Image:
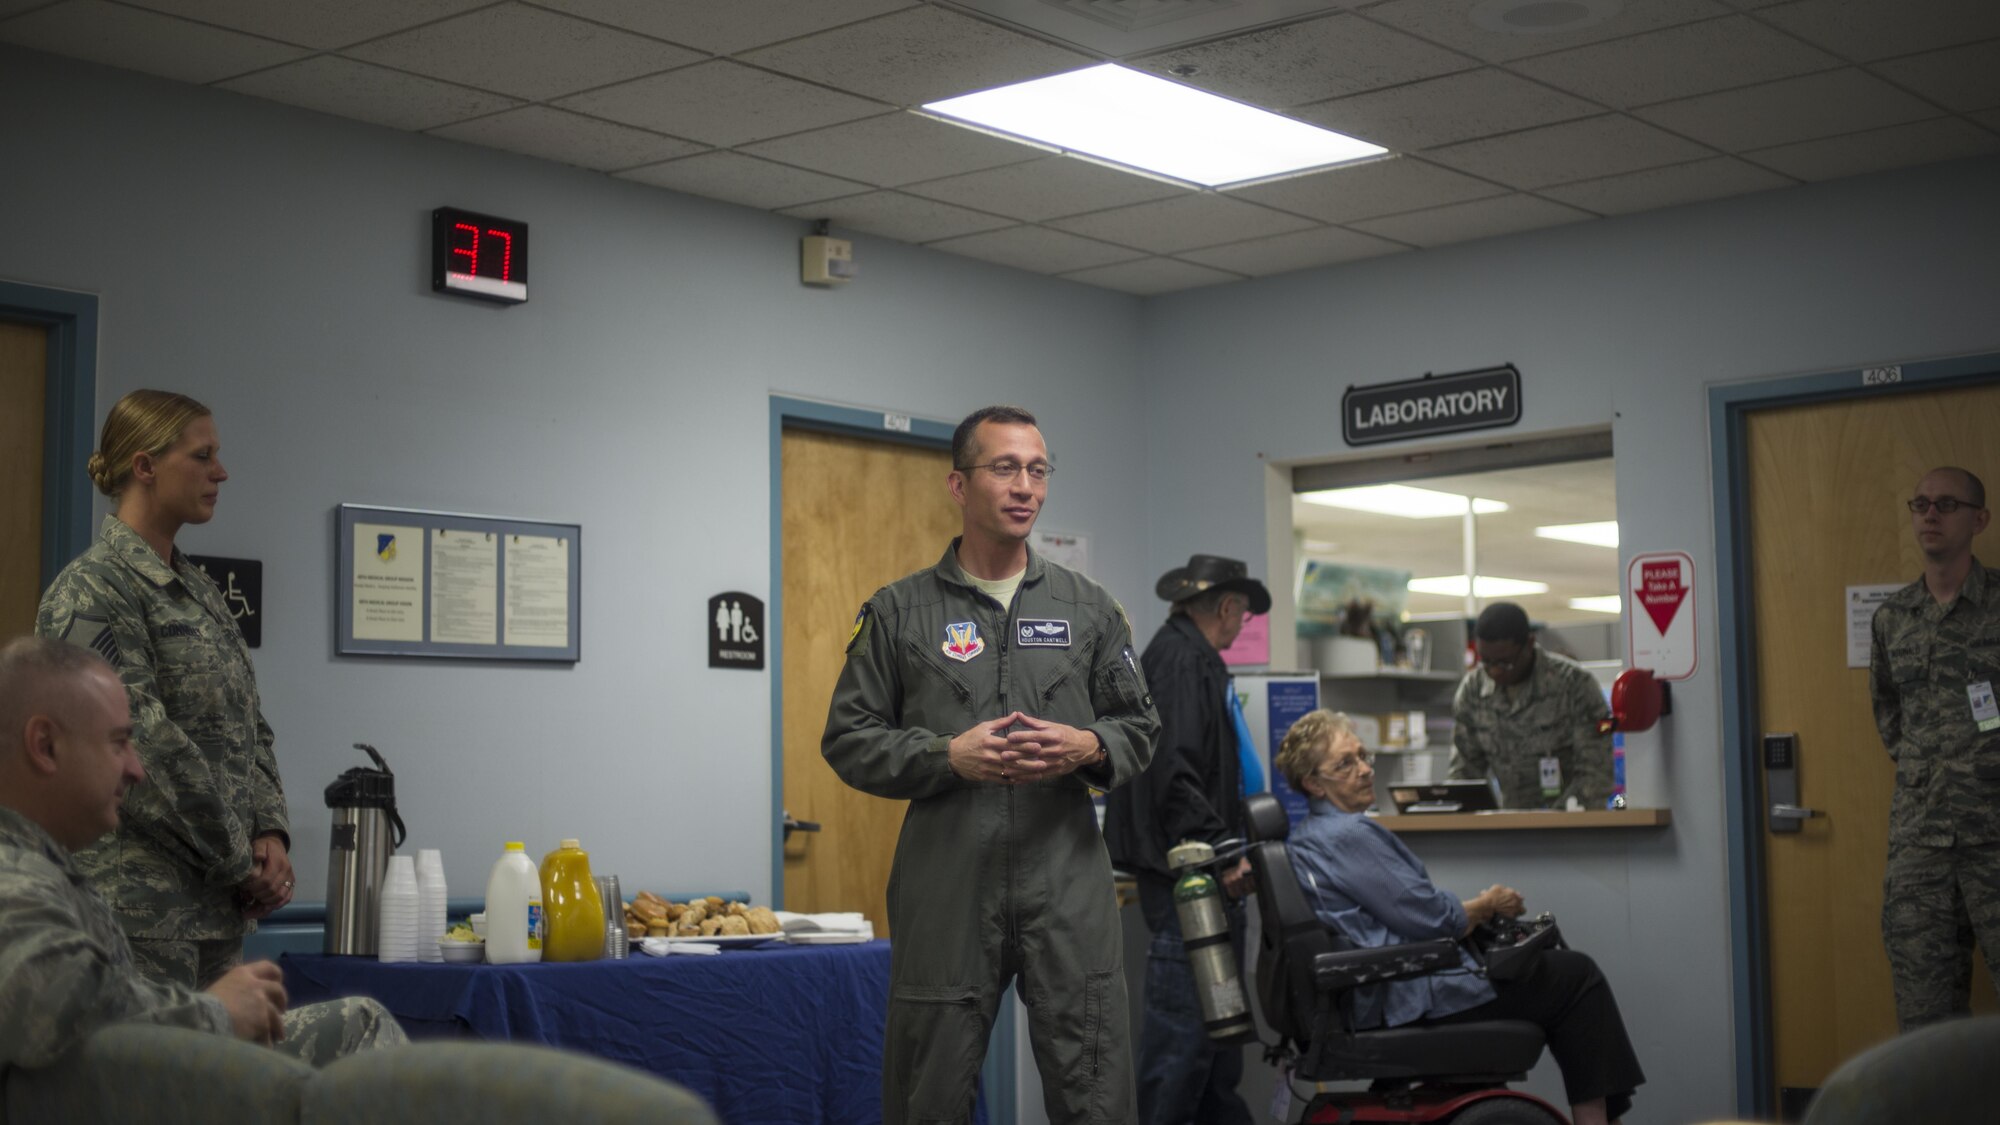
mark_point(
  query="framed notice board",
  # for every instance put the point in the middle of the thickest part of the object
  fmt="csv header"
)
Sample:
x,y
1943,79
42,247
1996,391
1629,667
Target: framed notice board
x,y
413,583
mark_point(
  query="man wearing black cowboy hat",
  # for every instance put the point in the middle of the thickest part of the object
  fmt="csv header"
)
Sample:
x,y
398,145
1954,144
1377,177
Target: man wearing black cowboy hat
x,y
1192,791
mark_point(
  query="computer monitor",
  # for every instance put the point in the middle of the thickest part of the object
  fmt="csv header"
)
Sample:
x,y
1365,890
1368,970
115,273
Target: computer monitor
x,y
1445,797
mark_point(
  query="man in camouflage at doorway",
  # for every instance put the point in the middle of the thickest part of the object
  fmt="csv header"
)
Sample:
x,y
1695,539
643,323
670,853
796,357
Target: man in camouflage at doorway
x,y
66,759
1934,659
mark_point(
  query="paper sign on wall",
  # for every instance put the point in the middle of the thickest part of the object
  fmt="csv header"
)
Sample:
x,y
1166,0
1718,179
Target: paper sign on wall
x,y
1660,614
1861,603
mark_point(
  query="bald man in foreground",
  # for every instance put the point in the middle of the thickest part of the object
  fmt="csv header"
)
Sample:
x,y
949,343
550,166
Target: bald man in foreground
x,y
66,759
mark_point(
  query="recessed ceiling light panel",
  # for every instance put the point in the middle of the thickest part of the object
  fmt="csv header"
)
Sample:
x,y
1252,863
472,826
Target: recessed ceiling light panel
x,y
1453,586
1401,500
1142,121
1603,603
1599,534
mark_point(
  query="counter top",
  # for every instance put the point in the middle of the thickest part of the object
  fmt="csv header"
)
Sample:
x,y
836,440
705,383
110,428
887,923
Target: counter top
x,y
1527,820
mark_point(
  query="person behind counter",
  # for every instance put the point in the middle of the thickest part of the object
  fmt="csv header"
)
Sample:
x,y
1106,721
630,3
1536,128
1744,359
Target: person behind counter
x,y
203,849
993,691
1529,718
1363,881
66,761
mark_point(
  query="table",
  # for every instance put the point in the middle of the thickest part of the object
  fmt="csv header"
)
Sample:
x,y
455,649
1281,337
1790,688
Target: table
x,y
776,1033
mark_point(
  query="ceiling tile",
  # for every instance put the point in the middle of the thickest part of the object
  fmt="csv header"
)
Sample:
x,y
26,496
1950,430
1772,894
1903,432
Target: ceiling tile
x,y
1575,150
729,26
1795,109
1037,249
892,214
1309,61
1880,29
1962,78
569,138
1048,188
1284,253
918,56
1363,191
1149,277
1481,218
743,179
1678,62
1183,223
1667,187
323,25
1900,146
1457,107
895,149
524,51
144,41
347,88
1450,22
721,103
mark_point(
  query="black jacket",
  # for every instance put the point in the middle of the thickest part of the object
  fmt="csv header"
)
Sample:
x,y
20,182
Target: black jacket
x,y
1193,788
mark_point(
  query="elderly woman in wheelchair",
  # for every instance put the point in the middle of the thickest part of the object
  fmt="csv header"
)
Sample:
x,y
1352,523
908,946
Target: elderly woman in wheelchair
x,y
1363,963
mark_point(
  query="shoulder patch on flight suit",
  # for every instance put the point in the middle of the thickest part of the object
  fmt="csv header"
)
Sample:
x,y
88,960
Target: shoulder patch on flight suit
x,y
88,630
858,639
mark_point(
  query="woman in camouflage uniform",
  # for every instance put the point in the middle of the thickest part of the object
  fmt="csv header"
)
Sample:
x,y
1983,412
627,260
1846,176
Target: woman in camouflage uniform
x,y
202,849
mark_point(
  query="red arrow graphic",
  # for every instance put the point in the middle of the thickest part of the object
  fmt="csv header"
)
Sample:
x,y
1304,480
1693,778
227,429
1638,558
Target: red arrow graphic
x,y
1661,592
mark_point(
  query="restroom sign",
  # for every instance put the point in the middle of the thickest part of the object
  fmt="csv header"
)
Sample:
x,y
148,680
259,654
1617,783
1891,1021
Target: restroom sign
x,y
1660,614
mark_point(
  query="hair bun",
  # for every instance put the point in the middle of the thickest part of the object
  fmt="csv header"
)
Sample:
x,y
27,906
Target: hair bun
x,y
95,468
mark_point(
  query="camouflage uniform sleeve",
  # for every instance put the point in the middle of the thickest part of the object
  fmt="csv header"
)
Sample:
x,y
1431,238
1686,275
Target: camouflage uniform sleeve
x,y
1468,753
58,984
1588,773
269,815
865,741
1126,721
181,803
1882,686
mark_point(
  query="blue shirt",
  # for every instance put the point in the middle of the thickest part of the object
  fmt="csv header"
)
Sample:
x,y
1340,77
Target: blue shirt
x,y
1363,881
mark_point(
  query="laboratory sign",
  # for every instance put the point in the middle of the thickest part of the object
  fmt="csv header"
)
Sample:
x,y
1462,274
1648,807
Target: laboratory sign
x,y
1434,404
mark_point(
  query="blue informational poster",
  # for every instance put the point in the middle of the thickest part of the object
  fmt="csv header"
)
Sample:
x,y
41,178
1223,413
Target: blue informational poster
x,y
1286,702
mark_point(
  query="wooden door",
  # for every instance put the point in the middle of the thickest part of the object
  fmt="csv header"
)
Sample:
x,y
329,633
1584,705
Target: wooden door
x,y
24,372
857,515
1827,486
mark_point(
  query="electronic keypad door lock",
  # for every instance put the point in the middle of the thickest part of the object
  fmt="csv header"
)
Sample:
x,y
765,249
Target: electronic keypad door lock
x,y
1781,783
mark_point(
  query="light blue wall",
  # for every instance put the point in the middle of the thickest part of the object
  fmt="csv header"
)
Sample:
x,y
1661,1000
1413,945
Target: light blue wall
x,y
274,263
1622,323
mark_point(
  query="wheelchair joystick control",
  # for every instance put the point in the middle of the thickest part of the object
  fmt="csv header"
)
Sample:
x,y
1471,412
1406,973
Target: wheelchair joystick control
x,y
1205,933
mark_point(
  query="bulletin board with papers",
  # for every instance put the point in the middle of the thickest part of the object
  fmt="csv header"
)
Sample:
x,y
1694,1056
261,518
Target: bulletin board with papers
x,y
415,583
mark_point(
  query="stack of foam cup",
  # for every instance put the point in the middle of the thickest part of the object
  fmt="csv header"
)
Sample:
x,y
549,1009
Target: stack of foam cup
x,y
397,939
430,904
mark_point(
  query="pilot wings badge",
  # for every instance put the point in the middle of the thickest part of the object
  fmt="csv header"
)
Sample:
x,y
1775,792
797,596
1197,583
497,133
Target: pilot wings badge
x,y
962,641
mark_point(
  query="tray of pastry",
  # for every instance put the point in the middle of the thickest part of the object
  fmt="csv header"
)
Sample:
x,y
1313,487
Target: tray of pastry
x,y
712,919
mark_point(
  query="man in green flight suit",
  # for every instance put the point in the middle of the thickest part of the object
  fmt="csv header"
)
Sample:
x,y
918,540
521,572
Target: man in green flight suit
x,y
1933,661
994,691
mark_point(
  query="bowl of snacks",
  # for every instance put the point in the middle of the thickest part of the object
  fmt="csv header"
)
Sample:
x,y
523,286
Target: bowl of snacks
x,y
460,944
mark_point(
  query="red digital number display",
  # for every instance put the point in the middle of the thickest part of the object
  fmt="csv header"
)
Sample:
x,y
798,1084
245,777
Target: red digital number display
x,y
479,255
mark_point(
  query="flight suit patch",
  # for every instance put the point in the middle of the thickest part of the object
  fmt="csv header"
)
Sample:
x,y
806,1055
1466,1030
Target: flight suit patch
x,y
859,637
962,641
1044,633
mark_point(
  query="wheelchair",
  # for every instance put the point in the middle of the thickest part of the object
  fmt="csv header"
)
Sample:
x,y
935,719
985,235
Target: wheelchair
x,y
1456,1073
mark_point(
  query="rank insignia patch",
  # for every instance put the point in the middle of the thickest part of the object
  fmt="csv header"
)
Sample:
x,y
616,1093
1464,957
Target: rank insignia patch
x,y
962,641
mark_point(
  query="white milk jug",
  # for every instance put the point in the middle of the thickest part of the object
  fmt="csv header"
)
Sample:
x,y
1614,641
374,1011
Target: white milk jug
x,y
514,909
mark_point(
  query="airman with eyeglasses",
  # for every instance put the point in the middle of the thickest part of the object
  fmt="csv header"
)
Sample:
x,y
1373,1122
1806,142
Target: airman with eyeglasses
x,y
1932,669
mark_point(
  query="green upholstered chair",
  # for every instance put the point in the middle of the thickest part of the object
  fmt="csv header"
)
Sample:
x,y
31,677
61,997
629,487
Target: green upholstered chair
x,y
130,1073
133,1073
1941,1073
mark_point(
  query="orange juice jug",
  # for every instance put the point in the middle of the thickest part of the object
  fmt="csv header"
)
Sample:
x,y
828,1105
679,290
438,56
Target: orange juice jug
x,y
572,906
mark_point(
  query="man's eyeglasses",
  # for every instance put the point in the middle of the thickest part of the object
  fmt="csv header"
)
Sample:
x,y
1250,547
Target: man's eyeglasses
x,y
1004,471
1945,505
1348,764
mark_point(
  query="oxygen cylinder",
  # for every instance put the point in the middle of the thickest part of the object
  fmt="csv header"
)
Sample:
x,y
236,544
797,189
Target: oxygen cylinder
x,y
1205,933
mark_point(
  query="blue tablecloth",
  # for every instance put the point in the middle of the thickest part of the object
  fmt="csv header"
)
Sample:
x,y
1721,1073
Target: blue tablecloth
x,y
772,1034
